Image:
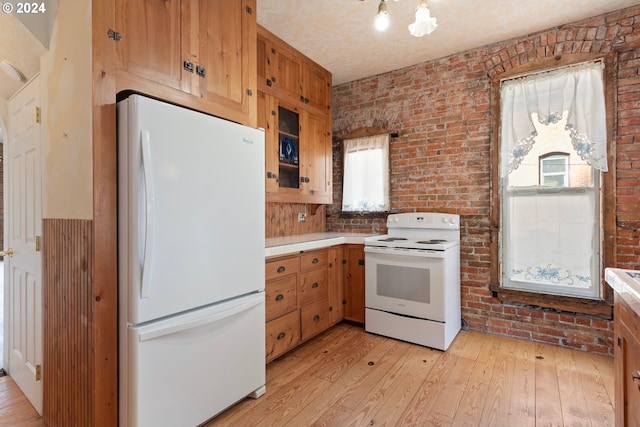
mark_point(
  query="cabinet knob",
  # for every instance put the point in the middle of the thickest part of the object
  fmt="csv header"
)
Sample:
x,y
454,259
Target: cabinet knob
x,y
316,318
279,297
281,269
315,260
281,335
314,285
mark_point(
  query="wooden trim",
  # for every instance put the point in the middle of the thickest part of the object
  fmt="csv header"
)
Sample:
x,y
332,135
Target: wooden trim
x,y
597,308
364,132
548,64
104,296
600,308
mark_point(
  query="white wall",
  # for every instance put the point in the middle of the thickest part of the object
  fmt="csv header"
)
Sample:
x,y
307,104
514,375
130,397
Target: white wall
x,y
66,115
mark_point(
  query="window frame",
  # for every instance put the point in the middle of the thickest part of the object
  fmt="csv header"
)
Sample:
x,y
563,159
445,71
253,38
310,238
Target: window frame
x,y
602,307
360,133
552,156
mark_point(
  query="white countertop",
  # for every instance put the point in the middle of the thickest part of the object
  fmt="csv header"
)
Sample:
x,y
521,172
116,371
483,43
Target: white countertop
x,y
306,242
626,283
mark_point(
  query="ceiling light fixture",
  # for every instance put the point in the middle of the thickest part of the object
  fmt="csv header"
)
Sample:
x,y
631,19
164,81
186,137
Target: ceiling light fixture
x,y
382,17
11,71
424,23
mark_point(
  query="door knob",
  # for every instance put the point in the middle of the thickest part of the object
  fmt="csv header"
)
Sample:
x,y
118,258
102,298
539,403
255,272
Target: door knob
x,y
8,252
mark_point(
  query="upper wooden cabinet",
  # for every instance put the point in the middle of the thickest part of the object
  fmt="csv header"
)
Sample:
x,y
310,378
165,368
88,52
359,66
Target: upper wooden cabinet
x,y
290,74
298,158
294,108
197,53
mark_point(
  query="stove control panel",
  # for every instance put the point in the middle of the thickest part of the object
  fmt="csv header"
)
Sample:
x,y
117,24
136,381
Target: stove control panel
x,y
431,220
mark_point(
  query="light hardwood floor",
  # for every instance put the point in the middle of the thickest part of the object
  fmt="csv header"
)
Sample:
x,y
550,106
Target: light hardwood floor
x,y
346,377
15,409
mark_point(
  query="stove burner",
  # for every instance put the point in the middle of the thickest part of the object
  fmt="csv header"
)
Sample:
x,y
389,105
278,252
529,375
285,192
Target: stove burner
x,y
431,242
391,239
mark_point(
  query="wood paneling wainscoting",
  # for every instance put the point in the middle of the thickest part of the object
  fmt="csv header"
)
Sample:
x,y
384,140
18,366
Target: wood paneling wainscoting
x,y
67,284
282,219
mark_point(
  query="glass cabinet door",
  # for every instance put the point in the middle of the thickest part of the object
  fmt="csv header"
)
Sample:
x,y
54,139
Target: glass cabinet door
x,y
289,148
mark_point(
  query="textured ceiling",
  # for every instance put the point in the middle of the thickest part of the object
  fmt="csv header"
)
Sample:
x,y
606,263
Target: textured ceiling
x,y
340,36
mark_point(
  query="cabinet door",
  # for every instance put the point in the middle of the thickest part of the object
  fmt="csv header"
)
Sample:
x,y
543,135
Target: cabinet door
x,y
336,284
317,87
227,52
285,69
316,157
267,120
151,43
354,283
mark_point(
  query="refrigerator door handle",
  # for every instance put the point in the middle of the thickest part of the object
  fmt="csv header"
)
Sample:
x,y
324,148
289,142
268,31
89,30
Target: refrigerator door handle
x,y
160,331
145,287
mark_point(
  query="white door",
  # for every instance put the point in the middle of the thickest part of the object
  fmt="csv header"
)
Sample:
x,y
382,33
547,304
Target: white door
x,y
23,270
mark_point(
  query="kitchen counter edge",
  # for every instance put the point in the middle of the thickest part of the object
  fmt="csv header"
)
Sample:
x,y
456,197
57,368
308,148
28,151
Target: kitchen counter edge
x,y
306,242
626,283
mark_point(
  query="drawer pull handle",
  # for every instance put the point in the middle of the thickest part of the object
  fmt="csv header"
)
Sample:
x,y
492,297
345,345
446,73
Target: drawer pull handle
x,y
279,297
316,318
635,376
314,285
281,335
281,269
315,261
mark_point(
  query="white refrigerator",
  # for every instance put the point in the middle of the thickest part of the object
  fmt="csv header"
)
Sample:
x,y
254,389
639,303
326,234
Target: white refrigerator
x,y
190,264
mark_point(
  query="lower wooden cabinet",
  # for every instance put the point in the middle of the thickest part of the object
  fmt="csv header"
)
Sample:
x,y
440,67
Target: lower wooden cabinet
x,y
354,283
282,334
626,364
314,318
308,292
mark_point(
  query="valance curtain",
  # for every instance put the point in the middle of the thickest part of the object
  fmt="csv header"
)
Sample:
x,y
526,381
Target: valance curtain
x,y
366,171
577,91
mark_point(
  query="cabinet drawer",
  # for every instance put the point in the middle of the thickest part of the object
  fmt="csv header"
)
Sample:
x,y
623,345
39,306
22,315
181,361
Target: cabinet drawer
x,y
281,267
315,318
282,334
313,286
281,297
312,260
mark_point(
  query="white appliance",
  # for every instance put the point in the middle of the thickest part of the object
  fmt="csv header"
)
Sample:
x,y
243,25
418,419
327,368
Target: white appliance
x,y
190,264
412,279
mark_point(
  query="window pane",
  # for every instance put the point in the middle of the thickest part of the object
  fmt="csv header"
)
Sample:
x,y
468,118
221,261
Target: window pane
x,y
553,181
554,165
552,138
366,175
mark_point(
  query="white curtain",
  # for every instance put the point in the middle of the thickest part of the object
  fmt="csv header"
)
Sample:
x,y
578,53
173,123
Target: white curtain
x,y
366,174
579,90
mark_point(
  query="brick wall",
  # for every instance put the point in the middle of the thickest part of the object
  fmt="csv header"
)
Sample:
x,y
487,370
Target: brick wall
x,y
440,160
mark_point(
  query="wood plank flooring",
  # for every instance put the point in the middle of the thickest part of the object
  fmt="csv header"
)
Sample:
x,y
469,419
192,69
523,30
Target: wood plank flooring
x,y
15,409
346,377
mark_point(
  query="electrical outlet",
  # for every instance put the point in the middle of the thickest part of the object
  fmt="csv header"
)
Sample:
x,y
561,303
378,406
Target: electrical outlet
x,y
302,217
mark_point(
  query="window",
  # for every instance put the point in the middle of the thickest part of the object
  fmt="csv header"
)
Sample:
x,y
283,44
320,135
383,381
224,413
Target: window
x,y
554,170
550,240
366,174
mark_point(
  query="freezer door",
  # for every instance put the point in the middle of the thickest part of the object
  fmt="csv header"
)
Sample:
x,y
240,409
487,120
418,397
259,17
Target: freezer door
x,y
191,209
183,371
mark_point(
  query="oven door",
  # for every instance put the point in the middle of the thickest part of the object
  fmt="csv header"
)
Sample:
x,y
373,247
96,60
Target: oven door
x,y
405,281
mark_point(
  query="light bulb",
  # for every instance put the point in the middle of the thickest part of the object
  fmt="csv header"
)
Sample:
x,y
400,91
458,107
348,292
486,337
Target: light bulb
x,y
382,17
